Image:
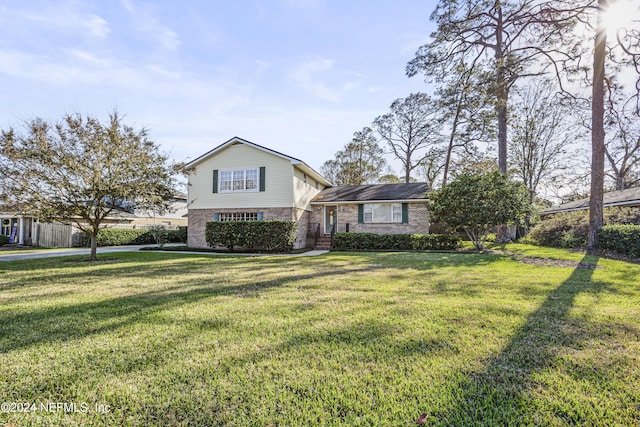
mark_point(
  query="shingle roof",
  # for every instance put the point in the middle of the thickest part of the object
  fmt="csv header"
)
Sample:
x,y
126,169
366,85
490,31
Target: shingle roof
x,y
376,192
628,197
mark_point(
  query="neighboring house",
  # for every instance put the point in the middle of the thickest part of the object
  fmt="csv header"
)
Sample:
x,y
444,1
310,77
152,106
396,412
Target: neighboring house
x,y
15,226
175,217
25,230
620,198
240,180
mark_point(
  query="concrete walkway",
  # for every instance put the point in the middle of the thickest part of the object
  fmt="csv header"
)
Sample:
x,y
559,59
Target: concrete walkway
x,y
50,253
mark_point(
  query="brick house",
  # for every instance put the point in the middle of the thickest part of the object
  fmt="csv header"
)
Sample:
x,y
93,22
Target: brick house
x,y
377,208
240,180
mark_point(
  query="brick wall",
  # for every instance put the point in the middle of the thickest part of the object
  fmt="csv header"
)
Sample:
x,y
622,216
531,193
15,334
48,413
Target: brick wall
x,y
198,219
348,214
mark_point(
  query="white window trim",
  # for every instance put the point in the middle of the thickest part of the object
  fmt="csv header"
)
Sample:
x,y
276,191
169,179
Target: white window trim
x,y
244,171
369,206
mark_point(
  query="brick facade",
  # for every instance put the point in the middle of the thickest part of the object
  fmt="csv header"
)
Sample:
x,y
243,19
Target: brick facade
x,y
198,219
348,214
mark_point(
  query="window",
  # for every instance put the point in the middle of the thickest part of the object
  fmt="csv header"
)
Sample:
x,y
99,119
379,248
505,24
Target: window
x,y
238,216
383,212
238,180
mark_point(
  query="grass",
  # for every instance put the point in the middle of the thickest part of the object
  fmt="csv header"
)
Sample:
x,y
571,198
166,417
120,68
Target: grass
x,y
341,339
8,250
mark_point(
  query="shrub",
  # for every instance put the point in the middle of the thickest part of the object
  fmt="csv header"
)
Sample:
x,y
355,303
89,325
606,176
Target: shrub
x,y
4,240
271,235
570,229
417,242
159,234
122,236
491,237
178,235
623,239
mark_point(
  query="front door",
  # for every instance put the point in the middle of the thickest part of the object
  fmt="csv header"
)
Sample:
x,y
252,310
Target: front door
x,y
330,218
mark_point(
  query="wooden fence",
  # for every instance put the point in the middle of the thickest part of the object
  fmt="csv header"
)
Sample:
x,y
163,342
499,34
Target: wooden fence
x,y
53,235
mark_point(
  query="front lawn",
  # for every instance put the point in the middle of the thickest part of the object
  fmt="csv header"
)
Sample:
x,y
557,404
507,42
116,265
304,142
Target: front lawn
x,y
533,337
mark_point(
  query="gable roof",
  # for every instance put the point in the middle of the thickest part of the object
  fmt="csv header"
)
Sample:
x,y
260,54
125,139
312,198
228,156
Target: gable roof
x,y
414,191
294,162
628,197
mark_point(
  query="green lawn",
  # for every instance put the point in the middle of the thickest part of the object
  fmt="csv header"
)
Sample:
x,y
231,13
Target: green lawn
x,y
342,339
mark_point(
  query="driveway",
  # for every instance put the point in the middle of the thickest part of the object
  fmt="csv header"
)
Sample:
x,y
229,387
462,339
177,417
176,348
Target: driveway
x,y
50,253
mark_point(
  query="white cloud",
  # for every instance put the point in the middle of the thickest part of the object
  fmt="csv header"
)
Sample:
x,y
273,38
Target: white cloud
x,y
314,75
148,24
65,18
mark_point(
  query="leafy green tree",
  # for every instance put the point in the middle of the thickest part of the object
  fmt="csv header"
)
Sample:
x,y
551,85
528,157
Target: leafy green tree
x,y
361,161
389,178
411,129
476,204
82,170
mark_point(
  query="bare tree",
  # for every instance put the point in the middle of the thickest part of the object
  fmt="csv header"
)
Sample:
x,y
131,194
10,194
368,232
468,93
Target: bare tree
x,y
514,39
622,150
467,116
623,52
541,133
596,202
411,128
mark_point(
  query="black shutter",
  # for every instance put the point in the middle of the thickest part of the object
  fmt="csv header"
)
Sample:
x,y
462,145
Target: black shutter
x,y
262,178
360,214
405,213
215,180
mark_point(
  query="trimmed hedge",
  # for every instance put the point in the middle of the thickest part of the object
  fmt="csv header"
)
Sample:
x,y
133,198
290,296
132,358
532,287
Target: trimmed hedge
x,y
413,242
123,236
134,236
269,235
4,240
623,239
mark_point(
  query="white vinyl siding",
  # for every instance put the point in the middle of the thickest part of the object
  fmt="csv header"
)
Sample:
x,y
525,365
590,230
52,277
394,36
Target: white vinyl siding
x,y
305,188
242,157
383,213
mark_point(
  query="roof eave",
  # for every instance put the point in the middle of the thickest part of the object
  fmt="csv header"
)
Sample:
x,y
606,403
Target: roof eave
x,y
355,202
233,140
582,208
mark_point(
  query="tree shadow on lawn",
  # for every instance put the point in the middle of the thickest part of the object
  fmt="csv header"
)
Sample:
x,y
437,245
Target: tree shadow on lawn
x,y
433,260
129,265
499,394
68,322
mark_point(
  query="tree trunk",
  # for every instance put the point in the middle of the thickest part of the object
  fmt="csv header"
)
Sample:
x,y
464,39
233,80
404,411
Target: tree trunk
x,y
596,211
407,170
501,95
452,136
94,245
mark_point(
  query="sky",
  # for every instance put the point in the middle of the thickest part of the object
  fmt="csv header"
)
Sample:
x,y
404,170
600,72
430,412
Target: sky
x,y
297,76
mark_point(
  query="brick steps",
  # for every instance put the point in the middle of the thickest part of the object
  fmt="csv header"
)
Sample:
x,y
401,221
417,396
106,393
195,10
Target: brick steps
x,y
323,242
